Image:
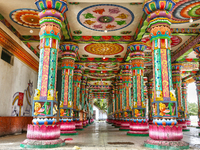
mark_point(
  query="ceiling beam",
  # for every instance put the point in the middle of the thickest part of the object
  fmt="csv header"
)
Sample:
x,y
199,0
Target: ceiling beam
x,y
185,47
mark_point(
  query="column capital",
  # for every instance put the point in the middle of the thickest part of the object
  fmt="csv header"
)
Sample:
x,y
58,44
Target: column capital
x,y
58,5
69,46
177,66
137,46
126,66
79,66
151,6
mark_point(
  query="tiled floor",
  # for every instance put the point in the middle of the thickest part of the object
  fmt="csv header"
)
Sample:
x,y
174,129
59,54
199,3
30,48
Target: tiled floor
x,y
97,136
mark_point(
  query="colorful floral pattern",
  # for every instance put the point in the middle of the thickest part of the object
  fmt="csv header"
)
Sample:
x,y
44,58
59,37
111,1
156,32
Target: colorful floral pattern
x,y
26,17
103,17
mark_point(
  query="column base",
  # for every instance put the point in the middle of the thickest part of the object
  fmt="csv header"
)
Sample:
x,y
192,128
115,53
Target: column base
x,y
125,126
79,129
185,130
156,144
124,129
29,143
138,133
66,133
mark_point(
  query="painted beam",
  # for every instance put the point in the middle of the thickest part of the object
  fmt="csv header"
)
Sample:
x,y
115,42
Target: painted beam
x,y
185,47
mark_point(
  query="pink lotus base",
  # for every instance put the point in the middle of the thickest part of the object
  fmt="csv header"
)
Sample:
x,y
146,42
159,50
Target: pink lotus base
x,y
150,122
118,123
166,133
138,132
157,144
188,123
67,127
30,143
84,123
79,125
125,125
68,132
138,129
182,124
43,132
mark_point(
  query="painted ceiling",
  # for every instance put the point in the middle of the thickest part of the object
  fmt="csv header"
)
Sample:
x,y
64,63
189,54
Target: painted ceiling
x,y
104,28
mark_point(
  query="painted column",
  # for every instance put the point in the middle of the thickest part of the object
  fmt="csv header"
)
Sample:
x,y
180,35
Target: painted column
x,y
126,96
146,99
82,97
150,94
67,125
197,81
139,125
86,110
44,133
164,101
120,97
184,100
76,100
177,83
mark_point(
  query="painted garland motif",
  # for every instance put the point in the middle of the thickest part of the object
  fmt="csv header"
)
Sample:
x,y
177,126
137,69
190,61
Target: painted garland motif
x,y
102,65
103,17
175,40
186,9
104,49
26,17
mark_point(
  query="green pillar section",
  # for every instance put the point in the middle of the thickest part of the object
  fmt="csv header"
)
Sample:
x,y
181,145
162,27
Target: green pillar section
x,y
170,69
53,66
83,90
113,99
150,98
120,93
157,65
177,83
184,98
197,80
137,61
126,85
77,85
68,59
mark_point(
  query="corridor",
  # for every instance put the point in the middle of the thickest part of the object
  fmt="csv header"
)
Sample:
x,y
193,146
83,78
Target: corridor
x,y
101,136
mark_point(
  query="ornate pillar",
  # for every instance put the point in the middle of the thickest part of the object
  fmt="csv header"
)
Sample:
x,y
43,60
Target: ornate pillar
x,y
117,102
164,102
126,96
197,81
86,110
76,100
44,133
139,125
146,99
184,100
177,83
150,94
83,97
120,97
67,125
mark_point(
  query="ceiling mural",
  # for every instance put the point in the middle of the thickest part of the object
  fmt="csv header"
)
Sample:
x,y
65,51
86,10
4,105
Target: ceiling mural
x,y
26,17
186,9
107,66
104,49
105,17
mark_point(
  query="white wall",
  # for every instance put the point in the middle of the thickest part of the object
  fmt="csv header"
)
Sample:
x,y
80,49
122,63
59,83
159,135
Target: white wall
x,y
14,78
100,115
